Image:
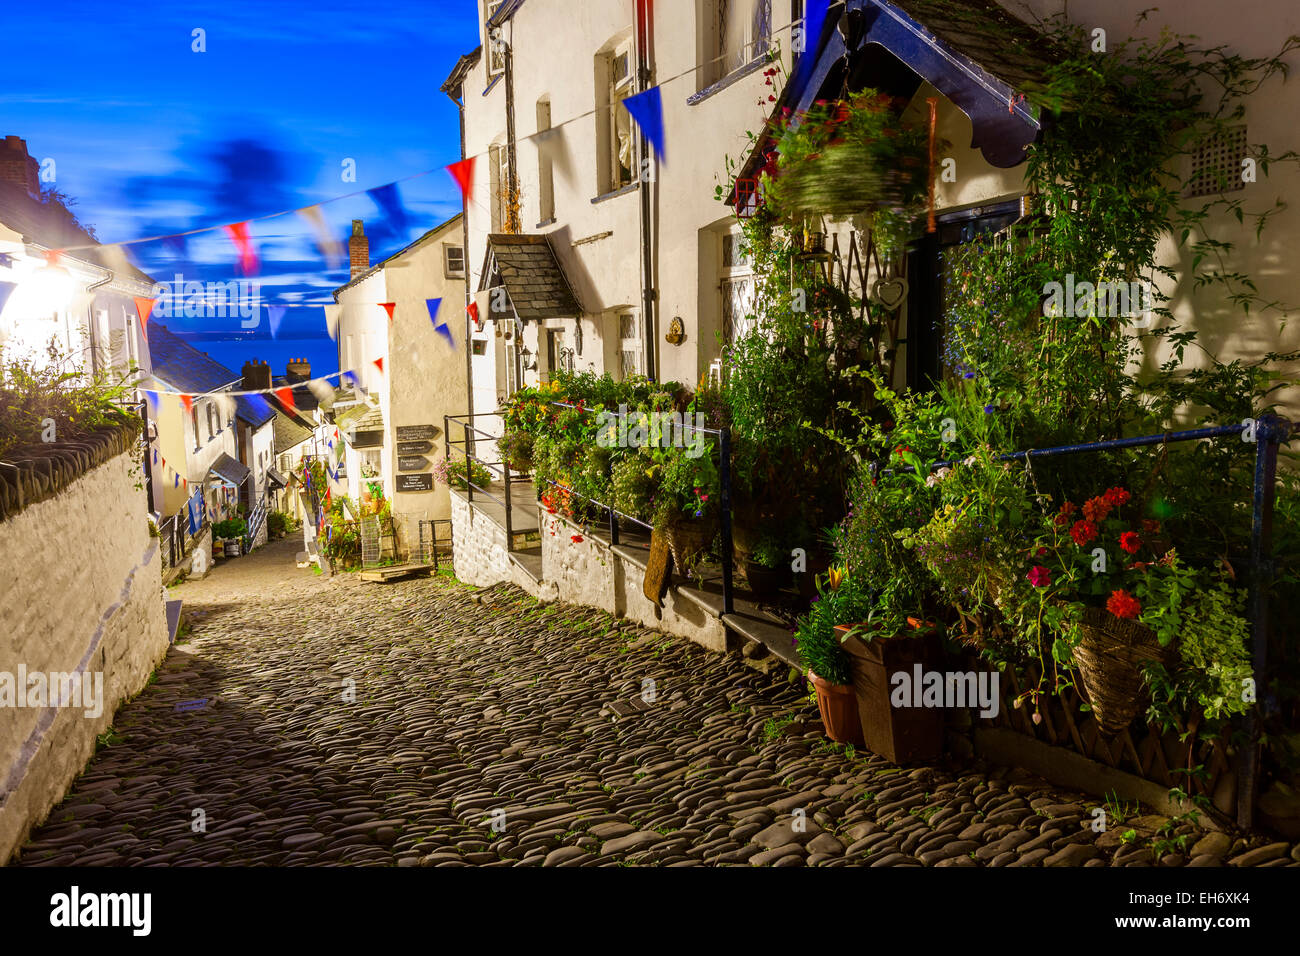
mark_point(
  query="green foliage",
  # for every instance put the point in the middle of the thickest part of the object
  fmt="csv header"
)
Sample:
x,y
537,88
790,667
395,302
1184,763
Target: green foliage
x,y
481,477
815,638
58,388
230,529
853,159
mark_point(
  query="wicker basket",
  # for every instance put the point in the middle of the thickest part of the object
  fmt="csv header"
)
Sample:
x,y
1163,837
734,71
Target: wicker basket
x,y
1110,657
690,541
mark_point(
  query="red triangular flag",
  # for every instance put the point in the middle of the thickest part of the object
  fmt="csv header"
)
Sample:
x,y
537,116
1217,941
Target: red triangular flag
x,y
238,233
285,395
53,257
389,307
463,173
188,403
379,364
143,308
473,312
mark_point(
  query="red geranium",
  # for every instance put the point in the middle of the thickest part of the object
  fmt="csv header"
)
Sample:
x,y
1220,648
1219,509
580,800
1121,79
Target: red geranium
x,y
1122,604
1151,525
1083,532
1039,576
1096,509
1069,508
1130,542
576,538
1118,496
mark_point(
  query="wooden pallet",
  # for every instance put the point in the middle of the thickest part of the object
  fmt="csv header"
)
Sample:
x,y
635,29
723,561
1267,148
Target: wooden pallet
x,y
395,572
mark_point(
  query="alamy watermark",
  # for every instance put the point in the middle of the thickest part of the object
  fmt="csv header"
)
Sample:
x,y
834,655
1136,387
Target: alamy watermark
x,y
950,689
53,689
650,429
191,299
1103,300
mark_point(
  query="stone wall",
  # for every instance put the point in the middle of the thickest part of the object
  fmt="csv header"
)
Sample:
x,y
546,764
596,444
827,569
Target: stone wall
x,y
481,557
83,595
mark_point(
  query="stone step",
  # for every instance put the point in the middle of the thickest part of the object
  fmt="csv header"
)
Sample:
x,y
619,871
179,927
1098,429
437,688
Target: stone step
x,y
762,630
530,561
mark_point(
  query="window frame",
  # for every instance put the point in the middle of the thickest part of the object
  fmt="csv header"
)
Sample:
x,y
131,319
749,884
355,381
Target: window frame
x,y
447,249
495,67
636,341
619,89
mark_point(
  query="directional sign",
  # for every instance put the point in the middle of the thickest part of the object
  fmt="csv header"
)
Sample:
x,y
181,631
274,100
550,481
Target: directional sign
x,y
422,482
412,463
414,447
418,432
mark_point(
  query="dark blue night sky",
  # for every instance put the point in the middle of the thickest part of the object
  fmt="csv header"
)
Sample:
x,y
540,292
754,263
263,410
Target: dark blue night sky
x,y
150,137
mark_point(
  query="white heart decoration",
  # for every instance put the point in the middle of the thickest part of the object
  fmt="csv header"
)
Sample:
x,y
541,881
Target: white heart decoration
x,y
890,292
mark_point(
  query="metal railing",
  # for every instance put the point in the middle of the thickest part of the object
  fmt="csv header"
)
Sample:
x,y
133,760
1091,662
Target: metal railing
x,y
502,468
174,534
1269,432
722,437
256,519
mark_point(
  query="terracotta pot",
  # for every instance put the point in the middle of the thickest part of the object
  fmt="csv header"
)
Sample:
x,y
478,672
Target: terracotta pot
x,y
901,734
839,709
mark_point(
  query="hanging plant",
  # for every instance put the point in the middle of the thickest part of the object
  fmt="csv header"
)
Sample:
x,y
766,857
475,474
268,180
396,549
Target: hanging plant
x,y
851,159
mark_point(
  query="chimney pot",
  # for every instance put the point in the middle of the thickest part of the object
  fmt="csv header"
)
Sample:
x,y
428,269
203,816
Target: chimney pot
x,y
358,249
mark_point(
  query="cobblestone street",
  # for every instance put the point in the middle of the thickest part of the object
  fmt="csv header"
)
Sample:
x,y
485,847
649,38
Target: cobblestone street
x,y
353,723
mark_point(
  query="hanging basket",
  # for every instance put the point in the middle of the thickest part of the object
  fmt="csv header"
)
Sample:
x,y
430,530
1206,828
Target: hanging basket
x,y
690,541
1110,657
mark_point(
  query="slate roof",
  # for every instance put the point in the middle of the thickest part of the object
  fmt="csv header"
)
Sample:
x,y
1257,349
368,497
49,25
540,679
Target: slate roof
x,y
49,225
288,433
1012,50
254,409
531,274
233,471
184,367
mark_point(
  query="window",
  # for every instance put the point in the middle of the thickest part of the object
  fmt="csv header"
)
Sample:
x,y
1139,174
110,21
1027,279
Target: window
x,y
631,347
737,287
499,175
620,76
495,41
131,340
545,171
194,420
454,257
211,430
737,32
1216,165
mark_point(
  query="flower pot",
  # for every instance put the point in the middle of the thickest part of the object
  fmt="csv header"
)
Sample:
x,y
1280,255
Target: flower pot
x,y
232,549
766,582
690,540
904,733
1110,656
839,709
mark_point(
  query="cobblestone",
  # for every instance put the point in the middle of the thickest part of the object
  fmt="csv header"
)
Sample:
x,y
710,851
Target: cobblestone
x,y
426,723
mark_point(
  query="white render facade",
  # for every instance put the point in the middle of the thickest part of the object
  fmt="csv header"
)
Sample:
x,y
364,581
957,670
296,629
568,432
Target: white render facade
x,y
582,185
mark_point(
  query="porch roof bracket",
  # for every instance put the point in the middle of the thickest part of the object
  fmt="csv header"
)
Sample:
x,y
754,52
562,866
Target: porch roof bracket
x,y
1003,124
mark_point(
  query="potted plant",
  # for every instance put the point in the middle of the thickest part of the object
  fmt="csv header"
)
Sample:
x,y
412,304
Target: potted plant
x,y
687,504
828,666
231,532
767,567
879,650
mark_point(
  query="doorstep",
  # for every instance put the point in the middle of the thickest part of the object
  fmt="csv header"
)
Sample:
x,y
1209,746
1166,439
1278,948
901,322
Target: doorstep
x,y
529,561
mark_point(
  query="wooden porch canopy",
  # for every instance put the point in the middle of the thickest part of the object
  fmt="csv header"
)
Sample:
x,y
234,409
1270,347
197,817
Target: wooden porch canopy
x,y
972,51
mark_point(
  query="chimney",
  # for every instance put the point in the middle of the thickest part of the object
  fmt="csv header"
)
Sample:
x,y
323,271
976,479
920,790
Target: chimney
x,y
298,370
18,168
358,249
257,375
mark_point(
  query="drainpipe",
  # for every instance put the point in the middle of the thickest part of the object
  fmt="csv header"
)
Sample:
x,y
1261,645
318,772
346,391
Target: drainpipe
x,y
642,37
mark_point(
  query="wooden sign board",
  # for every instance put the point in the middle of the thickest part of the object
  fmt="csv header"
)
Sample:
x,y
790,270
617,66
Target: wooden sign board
x,y
414,447
412,463
418,432
422,482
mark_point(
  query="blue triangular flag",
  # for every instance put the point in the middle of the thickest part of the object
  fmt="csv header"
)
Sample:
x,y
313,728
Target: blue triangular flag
x,y
439,327
6,260
814,17
433,305
176,479
647,108
6,290
443,330
390,204
275,315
